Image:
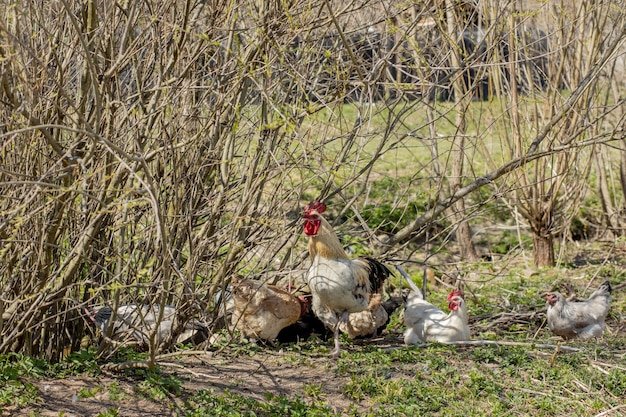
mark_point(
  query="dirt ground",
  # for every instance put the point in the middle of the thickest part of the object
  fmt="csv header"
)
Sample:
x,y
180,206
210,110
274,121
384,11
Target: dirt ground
x,y
59,397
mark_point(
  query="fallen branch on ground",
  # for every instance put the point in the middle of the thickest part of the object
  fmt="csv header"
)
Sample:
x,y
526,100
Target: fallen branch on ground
x,y
117,367
492,342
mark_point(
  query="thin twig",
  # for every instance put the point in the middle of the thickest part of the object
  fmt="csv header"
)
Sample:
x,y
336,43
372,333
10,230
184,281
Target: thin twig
x,y
184,353
610,410
546,394
116,367
608,365
186,369
491,342
556,351
602,370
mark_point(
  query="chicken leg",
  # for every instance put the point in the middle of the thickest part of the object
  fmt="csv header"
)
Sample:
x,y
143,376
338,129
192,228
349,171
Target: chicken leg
x,y
343,319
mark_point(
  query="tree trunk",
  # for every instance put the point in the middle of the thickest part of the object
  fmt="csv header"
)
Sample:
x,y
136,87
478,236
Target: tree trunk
x,y
463,232
464,237
543,248
622,176
611,214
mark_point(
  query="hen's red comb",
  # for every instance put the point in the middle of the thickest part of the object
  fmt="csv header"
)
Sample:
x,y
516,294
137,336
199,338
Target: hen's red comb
x,y
317,206
455,293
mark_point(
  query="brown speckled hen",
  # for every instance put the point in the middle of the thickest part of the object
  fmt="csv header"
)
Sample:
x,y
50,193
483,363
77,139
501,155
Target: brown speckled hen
x,y
262,310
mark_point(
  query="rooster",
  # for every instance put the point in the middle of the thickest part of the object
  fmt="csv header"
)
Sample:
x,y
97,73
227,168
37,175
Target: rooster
x,y
135,322
583,319
262,310
339,285
427,323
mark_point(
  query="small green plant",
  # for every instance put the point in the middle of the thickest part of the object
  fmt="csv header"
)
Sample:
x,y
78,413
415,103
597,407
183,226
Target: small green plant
x,y
481,384
82,361
484,354
17,393
128,353
612,272
14,390
115,392
615,383
313,390
88,393
360,387
406,356
157,386
110,412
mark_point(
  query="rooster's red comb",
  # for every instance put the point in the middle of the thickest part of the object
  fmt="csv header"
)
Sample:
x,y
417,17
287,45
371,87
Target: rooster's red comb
x,y
317,206
455,293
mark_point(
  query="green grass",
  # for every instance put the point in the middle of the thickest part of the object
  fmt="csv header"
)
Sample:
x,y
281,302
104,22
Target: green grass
x,y
227,404
485,380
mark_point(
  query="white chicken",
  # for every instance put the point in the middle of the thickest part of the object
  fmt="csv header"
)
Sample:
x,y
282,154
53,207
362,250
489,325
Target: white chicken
x,y
427,323
133,323
582,319
339,285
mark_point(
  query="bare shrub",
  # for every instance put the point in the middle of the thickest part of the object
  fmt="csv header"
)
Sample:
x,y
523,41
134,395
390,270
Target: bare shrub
x,y
151,150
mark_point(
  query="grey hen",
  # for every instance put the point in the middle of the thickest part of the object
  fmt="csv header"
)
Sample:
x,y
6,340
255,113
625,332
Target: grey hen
x,y
582,319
